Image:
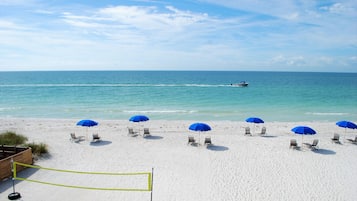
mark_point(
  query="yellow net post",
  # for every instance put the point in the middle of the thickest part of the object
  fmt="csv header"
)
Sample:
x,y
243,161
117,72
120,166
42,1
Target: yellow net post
x,y
151,179
14,195
13,165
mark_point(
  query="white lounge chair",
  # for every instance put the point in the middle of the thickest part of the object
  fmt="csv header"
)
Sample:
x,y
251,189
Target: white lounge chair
x,y
314,144
96,138
191,140
354,141
74,138
207,141
146,132
293,144
264,130
336,138
247,131
132,133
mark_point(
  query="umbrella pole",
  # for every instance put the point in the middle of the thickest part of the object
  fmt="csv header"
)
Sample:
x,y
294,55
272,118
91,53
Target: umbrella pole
x,y
302,139
199,138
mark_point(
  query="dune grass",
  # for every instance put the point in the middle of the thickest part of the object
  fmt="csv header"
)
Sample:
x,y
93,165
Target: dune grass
x,y
12,138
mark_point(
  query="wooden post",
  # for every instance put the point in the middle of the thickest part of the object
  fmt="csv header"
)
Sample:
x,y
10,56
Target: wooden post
x,y
152,182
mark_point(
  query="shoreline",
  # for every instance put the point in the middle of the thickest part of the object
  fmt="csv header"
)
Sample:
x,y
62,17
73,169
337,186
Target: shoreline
x,y
218,126
234,167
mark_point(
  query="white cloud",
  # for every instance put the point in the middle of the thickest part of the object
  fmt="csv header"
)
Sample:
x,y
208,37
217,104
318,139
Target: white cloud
x,y
146,25
5,24
154,37
338,8
289,61
149,18
46,12
276,8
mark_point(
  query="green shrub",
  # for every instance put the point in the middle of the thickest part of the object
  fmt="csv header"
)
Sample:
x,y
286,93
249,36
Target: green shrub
x,y
38,149
11,138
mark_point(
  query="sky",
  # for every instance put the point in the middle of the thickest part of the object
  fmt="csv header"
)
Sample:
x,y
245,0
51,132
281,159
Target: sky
x,y
232,35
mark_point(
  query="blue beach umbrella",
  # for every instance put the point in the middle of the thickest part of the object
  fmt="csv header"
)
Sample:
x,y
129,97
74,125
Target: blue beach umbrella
x,y
255,120
139,118
303,130
346,124
87,123
200,127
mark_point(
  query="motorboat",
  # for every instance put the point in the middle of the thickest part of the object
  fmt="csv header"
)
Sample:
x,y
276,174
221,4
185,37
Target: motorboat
x,y
240,84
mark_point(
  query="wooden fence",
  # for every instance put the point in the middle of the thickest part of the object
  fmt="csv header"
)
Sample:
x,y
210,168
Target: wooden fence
x,y
18,154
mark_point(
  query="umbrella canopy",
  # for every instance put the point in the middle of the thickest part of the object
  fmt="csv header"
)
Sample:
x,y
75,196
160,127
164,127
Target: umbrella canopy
x,y
139,118
87,123
303,130
200,127
346,124
255,120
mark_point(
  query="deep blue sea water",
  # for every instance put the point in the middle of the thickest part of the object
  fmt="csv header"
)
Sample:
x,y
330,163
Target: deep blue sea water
x,y
179,95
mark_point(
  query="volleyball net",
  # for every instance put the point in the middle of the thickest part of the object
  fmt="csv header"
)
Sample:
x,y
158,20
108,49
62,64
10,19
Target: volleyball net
x,y
133,181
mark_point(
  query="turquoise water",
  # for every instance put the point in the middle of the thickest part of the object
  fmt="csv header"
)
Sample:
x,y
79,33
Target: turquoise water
x,y
179,95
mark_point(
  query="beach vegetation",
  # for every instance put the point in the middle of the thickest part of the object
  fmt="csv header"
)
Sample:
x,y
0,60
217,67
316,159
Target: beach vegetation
x,y
12,138
38,149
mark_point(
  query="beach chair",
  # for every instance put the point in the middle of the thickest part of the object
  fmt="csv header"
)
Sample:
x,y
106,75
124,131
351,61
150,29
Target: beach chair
x,y
74,138
314,144
264,130
247,131
191,140
96,138
132,133
146,132
293,144
336,138
207,141
354,141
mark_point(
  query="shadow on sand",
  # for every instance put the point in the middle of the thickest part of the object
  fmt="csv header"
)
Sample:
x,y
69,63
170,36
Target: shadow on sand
x,y
324,151
153,137
100,143
7,183
217,148
269,136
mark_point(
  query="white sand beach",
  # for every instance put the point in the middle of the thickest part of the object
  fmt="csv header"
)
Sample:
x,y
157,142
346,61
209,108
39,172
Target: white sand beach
x,y
235,167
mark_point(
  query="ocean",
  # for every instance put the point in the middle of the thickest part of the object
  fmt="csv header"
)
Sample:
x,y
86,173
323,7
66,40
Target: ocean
x,y
179,95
